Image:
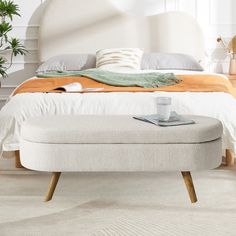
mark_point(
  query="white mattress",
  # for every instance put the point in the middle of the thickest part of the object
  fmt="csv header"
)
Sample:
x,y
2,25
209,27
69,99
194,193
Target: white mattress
x,y
24,106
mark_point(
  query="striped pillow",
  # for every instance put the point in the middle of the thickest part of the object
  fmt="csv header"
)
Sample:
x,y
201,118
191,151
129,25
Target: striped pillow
x,y
119,59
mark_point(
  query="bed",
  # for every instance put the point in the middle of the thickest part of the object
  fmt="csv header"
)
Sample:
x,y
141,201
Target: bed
x,y
103,27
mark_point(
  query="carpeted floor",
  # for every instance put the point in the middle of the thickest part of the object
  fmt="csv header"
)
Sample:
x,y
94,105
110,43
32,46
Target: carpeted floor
x,y
117,204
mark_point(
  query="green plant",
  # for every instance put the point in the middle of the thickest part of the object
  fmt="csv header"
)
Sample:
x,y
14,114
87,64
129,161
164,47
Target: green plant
x,y
8,9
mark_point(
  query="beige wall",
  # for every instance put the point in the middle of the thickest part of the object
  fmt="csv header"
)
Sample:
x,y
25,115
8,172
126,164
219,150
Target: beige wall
x,y
215,16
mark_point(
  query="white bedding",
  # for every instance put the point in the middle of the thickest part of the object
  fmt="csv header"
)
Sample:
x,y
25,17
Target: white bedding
x,y
23,106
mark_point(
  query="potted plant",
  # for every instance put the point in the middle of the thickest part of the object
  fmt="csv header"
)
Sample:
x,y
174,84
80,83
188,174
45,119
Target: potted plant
x,y
230,49
8,45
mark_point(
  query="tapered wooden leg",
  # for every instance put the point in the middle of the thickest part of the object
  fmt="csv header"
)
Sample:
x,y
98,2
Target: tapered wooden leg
x,y
190,187
17,160
229,158
52,186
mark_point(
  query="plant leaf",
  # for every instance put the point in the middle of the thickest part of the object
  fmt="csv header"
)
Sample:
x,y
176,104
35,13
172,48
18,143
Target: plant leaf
x,y
8,9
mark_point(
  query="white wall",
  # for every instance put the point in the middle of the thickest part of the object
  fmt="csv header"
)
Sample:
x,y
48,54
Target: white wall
x,y
215,16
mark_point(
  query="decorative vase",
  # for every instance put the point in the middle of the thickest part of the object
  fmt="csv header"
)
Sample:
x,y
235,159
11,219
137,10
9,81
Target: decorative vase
x,y
232,65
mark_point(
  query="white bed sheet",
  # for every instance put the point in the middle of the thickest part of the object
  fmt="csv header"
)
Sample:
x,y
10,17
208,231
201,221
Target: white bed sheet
x,y
24,106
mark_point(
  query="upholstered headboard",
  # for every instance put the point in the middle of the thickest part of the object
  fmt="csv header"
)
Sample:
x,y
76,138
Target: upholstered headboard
x,y
85,26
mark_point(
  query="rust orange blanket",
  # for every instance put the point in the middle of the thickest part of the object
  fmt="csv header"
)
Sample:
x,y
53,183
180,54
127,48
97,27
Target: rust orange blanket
x,y
190,83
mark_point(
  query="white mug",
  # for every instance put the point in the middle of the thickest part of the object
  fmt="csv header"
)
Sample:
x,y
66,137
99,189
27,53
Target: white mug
x,y
163,108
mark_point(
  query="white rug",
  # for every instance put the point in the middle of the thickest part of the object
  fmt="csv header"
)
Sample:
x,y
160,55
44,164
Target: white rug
x,y
117,204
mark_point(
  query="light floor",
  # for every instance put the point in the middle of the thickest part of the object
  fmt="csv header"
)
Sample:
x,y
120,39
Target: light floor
x,y
117,204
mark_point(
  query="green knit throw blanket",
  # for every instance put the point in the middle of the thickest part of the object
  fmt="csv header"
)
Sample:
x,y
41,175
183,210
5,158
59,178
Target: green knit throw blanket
x,y
145,80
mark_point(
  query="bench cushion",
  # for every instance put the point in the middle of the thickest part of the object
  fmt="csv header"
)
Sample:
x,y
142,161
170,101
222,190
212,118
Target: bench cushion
x,y
99,129
118,143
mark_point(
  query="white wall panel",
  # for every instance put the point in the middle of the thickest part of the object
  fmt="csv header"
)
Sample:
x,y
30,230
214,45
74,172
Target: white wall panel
x,y
222,12
216,17
202,12
188,6
25,31
171,5
30,12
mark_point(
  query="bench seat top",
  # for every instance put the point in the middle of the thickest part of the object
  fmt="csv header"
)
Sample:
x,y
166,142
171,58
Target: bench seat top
x,y
120,129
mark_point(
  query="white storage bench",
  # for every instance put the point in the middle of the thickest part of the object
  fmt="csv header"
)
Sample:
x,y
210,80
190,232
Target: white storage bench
x,y
119,143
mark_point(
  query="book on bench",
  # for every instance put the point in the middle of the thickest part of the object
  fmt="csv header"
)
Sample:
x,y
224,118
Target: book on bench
x,y
76,87
175,120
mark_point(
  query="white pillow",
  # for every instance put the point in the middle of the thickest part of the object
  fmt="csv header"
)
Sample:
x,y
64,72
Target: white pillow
x,y
119,59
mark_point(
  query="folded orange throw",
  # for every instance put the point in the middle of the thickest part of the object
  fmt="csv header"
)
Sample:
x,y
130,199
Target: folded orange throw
x,y
190,83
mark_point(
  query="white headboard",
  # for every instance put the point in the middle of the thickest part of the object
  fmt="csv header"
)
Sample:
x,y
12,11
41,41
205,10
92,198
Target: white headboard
x,y
85,26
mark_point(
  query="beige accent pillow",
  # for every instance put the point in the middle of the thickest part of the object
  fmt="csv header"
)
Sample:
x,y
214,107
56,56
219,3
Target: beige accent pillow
x,y
119,59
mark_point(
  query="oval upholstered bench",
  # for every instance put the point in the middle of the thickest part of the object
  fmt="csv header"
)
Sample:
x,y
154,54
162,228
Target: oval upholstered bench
x,y
119,143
